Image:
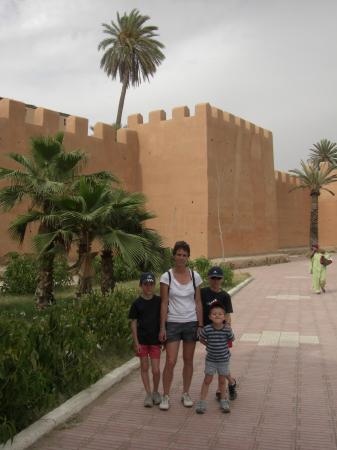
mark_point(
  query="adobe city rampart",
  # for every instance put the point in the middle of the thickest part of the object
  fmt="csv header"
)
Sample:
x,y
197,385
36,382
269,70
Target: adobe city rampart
x,y
209,177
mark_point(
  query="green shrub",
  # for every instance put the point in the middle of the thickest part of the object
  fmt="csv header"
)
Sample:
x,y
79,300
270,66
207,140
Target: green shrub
x,y
54,355
20,275
202,266
228,275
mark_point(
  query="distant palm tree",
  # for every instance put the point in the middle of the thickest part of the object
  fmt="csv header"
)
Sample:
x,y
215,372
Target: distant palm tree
x,y
315,179
131,52
324,151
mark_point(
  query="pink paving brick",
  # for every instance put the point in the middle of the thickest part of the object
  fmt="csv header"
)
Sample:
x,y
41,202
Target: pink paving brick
x,y
286,397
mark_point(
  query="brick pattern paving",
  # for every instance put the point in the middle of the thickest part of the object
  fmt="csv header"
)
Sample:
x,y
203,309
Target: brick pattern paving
x,y
287,396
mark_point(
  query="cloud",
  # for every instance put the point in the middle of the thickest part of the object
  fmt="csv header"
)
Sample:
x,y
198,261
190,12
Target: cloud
x,y
271,63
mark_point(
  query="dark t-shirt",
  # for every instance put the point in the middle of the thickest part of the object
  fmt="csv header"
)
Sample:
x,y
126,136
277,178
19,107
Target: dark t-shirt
x,y
147,314
208,297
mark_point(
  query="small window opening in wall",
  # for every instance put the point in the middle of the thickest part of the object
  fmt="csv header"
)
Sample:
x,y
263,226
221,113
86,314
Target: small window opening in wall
x,y
64,122
192,201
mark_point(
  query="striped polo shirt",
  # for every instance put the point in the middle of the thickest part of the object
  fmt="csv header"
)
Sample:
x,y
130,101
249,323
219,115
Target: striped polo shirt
x,y
217,342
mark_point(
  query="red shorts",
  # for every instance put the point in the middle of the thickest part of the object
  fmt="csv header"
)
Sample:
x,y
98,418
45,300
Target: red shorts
x,y
153,351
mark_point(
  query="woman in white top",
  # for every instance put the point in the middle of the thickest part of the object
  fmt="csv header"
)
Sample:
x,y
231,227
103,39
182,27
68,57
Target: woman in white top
x,y
181,319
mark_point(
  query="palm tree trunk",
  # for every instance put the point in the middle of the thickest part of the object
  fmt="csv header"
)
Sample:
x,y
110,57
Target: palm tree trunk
x,y
121,101
107,282
45,283
86,270
314,219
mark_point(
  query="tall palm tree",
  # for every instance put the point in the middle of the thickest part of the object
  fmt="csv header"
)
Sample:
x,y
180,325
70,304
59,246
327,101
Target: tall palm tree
x,y
324,151
130,52
314,178
48,172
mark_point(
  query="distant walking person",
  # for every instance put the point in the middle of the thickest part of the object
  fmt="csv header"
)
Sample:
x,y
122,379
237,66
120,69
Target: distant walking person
x,y
320,259
181,320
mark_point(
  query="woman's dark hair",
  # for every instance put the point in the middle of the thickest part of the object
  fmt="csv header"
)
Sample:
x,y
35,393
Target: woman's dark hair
x,y
181,245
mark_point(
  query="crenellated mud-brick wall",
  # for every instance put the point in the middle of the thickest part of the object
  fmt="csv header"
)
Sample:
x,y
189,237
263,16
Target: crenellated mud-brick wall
x,y
210,179
241,189
19,122
293,211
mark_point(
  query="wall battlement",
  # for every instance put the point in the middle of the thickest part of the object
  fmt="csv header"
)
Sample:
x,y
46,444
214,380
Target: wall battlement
x,y
20,115
203,111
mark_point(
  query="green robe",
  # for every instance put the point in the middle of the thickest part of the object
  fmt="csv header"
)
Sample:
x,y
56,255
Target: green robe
x,y
318,271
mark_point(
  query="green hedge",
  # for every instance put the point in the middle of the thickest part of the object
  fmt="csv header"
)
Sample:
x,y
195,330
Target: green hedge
x,y
55,355
20,275
202,266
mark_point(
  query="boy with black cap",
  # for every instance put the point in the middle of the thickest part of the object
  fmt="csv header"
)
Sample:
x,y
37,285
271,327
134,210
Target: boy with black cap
x,y
215,294
145,325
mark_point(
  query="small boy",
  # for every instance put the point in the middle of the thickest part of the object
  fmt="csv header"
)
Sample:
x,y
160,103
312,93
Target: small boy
x,y
216,335
213,294
145,325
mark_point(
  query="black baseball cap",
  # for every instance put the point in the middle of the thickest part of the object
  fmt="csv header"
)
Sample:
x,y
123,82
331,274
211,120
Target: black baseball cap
x,y
147,277
215,272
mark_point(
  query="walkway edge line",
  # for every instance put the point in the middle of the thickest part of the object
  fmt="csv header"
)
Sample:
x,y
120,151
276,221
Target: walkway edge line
x,y
59,415
238,288
75,404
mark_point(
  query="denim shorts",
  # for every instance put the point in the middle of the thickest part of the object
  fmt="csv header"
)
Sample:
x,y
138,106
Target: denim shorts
x,y
186,331
221,367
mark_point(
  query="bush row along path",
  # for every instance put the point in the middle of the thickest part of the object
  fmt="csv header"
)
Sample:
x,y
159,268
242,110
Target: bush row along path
x,y
284,359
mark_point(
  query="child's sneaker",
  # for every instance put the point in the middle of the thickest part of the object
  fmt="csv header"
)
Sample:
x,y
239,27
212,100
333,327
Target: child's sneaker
x,y
165,403
148,402
224,405
186,399
156,398
232,391
201,407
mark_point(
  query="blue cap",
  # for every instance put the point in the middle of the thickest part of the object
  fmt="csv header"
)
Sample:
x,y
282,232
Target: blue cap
x,y
215,272
147,277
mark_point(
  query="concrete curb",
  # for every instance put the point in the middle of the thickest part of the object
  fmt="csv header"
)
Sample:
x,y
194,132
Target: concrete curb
x,y
72,406
59,415
238,288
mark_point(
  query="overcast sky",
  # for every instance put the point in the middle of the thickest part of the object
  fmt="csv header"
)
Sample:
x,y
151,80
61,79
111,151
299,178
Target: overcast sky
x,y
271,62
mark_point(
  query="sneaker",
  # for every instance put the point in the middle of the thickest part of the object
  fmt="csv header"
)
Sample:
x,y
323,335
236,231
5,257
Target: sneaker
x,y
232,391
148,402
224,406
165,403
186,399
156,398
201,407
218,396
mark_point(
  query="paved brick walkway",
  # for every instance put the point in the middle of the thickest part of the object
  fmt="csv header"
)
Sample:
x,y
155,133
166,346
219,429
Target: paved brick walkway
x,y
285,364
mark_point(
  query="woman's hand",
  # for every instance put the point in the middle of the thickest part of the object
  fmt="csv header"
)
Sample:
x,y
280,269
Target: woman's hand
x,y
162,335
